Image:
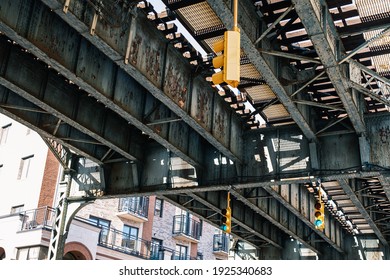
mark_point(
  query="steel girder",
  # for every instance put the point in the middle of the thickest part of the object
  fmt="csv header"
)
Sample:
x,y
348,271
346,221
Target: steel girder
x,y
92,71
164,73
254,207
224,12
348,190
34,81
111,85
319,26
90,87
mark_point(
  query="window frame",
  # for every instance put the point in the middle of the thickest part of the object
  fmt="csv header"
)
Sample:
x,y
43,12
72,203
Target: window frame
x,y
159,211
4,131
14,209
23,170
105,228
179,248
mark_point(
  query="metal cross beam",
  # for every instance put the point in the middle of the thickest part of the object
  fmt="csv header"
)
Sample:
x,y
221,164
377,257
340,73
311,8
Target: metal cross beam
x,y
347,189
158,67
319,26
262,65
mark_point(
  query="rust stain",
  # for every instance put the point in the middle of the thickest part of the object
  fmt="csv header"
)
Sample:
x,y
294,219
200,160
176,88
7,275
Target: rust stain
x,y
384,134
202,106
174,86
134,49
153,61
219,125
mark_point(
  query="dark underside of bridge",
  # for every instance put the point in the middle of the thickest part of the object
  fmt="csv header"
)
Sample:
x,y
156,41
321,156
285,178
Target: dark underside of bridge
x,y
116,82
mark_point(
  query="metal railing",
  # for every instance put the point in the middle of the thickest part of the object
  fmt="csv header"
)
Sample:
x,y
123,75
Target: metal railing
x,y
134,205
42,217
187,226
220,243
122,242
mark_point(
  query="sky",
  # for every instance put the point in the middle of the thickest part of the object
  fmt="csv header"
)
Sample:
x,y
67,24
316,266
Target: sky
x,y
158,5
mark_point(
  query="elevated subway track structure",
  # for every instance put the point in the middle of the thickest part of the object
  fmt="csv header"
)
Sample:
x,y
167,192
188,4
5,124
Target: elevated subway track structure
x,y
115,82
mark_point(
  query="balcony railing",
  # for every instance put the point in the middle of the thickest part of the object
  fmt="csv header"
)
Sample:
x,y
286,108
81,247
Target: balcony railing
x,y
178,256
221,243
42,217
122,242
134,205
182,225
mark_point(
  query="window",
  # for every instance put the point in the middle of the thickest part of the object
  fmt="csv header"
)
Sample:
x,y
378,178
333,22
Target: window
x,y
104,224
24,167
181,252
130,237
17,209
32,253
4,133
156,251
158,208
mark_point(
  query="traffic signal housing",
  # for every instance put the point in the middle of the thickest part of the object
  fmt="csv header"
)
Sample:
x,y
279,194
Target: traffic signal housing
x,y
319,215
226,221
228,60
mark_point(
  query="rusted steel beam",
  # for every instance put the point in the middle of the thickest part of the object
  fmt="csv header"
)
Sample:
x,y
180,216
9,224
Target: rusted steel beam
x,y
163,72
224,12
359,205
65,50
319,25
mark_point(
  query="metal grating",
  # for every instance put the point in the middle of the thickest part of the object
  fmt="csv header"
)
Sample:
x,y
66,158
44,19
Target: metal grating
x,y
200,16
276,112
260,93
371,10
211,41
342,207
249,71
382,64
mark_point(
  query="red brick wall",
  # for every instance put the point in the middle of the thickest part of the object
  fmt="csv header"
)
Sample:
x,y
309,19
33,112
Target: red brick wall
x,y
194,250
148,226
49,181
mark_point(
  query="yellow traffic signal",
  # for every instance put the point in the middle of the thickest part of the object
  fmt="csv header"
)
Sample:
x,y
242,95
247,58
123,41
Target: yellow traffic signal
x,y
319,215
226,220
229,60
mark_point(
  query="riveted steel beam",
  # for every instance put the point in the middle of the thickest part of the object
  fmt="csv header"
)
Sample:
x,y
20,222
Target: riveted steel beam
x,y
56,96
359,205
319,26
291,197
278,216
385,182
43,123
242,216
224,12
102,78
163,72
